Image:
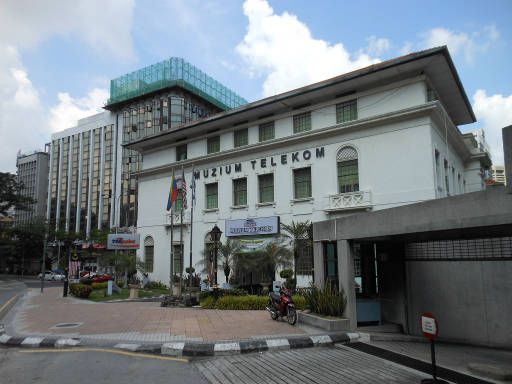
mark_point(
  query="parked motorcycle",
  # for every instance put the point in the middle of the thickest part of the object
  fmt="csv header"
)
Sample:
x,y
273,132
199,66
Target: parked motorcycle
x,y
282,305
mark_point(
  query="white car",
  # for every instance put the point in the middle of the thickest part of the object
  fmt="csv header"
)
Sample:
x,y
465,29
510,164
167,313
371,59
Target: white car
x,y
49,275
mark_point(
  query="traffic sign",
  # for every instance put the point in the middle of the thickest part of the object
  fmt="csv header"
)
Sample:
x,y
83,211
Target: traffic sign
x,y
429,325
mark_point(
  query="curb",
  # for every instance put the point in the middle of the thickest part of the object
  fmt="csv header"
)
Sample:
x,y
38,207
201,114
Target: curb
x,y
193,349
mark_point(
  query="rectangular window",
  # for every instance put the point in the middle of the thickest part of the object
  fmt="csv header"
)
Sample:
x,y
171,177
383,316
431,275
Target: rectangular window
x,y
178,204
241,137
302,183
346,111
266,188
267,131
331,263
178,259
446,177
240,192
213,144
149,257
348,176
212,196
302,122
181,152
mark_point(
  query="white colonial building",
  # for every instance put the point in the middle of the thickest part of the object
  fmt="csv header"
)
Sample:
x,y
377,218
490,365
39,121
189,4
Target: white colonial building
x,y
375,138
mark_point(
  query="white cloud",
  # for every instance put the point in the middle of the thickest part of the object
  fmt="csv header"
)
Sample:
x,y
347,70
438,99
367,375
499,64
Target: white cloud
x,y
377,46
460,43
494,112
282,48
103,25
22,118
66,113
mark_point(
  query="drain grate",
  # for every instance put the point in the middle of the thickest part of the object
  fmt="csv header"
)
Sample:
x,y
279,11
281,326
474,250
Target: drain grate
x,y
67,325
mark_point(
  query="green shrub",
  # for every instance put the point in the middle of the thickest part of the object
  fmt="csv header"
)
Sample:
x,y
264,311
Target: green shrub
x,y
223,292
99,285
86,281
286,273
241,302
208,302
156,285
80,290
328,301
300,302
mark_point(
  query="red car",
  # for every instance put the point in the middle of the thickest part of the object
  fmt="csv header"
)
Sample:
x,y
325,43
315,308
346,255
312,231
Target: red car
x,y
102,278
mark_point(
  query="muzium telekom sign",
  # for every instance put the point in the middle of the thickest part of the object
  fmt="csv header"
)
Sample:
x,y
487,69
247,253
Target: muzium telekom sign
x,y
252,227
123,241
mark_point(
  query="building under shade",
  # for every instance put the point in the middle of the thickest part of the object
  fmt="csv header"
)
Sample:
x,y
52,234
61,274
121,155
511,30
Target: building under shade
x,y
92,178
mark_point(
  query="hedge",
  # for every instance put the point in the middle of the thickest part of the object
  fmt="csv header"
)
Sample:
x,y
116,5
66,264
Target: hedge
x,y
223,292
245,302
103,285
80,290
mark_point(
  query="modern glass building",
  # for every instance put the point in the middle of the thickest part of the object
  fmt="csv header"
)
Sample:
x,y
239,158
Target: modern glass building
x,y
93,180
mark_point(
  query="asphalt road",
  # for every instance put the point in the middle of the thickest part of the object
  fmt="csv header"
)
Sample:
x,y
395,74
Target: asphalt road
x,y
96,366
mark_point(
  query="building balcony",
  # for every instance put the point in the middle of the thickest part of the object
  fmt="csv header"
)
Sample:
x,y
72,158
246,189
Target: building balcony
x,y
176,219
350,201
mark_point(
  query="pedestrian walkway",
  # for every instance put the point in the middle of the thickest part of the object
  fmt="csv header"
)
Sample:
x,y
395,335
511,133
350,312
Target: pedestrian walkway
x,y
49,314
456,357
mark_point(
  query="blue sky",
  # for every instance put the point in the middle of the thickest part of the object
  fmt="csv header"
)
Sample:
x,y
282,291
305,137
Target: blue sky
x,y
57,57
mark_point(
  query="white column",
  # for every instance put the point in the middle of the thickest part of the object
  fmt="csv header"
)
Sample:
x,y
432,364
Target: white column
x,y
118,174
113,176
49,198
57,208
79,185
102,174
68,190
318,263
346,279
89,184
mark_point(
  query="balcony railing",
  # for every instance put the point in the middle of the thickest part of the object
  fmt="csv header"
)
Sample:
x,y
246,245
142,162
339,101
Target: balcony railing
x,y
176,218
350,201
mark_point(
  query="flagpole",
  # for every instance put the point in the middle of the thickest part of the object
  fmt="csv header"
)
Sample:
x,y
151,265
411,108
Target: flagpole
x,y
192,197
172,248
182,248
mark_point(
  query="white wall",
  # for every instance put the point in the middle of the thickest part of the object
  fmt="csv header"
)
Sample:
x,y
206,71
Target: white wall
x,y
395,166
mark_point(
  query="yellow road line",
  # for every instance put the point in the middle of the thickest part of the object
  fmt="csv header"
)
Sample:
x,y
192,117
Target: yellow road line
x,y
116,351
8,302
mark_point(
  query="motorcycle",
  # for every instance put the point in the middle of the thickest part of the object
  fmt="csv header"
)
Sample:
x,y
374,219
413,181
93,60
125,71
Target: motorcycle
x,y
282,305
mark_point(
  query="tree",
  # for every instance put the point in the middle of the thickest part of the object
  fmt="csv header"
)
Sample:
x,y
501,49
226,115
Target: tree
x,y
10,194
228,252
29,240
300,234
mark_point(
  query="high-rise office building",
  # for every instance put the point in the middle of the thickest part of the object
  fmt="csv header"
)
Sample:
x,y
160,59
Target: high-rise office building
x,y
32,174
93,179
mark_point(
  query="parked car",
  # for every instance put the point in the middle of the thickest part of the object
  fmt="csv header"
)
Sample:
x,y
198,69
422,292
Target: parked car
x,y
48,275
58,276
102,278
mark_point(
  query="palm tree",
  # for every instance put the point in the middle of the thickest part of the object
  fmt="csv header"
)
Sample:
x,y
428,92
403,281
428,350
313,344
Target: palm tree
x,y
228,252
275,254
299,234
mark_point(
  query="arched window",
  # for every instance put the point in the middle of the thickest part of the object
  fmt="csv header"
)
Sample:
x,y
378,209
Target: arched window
x,y
348,170
149,253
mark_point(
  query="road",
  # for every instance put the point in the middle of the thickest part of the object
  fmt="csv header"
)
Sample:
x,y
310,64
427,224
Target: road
x,y
316,365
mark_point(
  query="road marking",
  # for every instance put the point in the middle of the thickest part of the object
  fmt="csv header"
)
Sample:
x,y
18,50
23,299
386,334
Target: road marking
x,y
118,352
8,301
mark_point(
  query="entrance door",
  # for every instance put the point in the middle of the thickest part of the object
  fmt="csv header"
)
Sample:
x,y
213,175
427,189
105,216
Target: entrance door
x,y
331,263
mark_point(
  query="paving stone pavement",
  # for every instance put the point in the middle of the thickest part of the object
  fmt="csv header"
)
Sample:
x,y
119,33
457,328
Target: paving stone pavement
x,y
323,365
144,322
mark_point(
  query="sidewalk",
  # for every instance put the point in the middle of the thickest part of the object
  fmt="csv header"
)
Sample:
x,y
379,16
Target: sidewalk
x,y
50,314
456,357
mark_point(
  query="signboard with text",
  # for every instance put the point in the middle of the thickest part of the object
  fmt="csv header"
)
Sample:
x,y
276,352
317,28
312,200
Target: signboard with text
x,y
123,241
429,326
252,227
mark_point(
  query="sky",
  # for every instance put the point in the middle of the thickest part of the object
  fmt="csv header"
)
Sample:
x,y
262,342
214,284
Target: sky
x,y
57,56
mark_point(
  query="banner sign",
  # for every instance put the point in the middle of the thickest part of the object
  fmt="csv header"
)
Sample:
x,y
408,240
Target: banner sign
x,y
254,245
252,227
123,241
429,325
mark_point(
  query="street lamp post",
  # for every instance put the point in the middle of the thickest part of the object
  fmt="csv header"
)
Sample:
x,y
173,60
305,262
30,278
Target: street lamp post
x,y
215,235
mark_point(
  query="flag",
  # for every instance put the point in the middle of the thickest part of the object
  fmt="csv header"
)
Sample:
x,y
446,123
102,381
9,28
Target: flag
x,y
183,190
173,192
193,189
